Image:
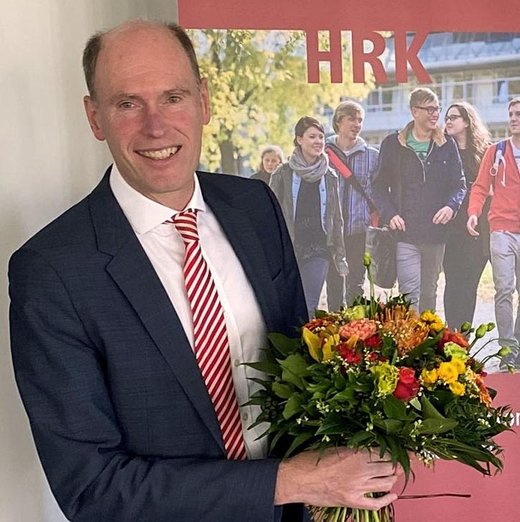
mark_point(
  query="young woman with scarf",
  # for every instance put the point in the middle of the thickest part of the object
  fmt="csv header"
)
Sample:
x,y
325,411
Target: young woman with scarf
x,y
307,189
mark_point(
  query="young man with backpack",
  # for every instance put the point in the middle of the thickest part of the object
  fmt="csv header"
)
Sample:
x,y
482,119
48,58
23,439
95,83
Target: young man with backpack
x,y
499,177
356,165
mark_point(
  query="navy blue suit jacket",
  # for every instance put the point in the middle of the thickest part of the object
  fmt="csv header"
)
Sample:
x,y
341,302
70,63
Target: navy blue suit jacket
x,y
121,417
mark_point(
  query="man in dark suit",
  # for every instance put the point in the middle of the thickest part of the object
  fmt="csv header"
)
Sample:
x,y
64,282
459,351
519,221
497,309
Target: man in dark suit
x,y
102,333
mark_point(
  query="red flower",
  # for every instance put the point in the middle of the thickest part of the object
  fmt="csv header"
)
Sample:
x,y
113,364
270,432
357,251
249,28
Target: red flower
x,y
315,323
407,385
375,357
349,354
452,337
374,341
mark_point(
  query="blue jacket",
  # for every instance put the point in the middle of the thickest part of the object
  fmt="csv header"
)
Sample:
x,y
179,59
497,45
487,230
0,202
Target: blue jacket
x,y
122,419
416,190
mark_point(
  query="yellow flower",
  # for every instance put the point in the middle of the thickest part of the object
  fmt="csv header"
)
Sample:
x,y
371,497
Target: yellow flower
x,y
432,320
459,364
329,344
429,377
448,372
313,343
319,347
457,388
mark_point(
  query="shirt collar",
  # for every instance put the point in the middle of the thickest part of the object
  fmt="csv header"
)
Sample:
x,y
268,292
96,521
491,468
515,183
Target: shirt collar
x,y
143,213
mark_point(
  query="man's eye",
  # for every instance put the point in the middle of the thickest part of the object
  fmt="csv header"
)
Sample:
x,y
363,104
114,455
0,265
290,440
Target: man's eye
x,y
125,105
174,99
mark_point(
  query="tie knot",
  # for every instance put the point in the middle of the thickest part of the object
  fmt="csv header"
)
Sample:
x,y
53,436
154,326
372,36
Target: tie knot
x,y
186,223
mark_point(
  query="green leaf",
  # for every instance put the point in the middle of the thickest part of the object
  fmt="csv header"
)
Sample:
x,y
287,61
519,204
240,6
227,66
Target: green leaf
x,y
283,391
478,458
399,454
334,425
346,395
391,426
283,345
279,433
382,442
424,351
339,381
268,367
394,408
261,382
434,426
293,407
321,313
429,410
293,369
359,438
298,441
255,401
416,403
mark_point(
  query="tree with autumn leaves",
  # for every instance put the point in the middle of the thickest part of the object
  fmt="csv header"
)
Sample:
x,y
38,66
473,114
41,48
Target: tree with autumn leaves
x,y
258,88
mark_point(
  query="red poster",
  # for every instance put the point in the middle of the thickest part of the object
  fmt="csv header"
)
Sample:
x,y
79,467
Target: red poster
x,y
376,51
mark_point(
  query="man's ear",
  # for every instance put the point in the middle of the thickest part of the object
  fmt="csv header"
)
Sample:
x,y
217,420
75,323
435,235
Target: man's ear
x,y
93,117
206,104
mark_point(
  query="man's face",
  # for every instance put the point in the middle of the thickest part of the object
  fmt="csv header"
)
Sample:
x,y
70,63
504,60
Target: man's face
x,y
350,126
514,119
426,115
150,109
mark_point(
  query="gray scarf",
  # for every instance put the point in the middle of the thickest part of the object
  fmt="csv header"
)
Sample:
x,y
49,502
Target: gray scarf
x,y
311,173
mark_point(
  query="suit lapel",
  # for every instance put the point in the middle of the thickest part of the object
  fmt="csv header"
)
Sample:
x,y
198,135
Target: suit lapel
x,y
133,273
242,235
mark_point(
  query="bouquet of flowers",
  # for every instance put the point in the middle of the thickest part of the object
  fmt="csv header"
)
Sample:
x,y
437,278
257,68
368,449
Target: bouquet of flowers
x,y
378,375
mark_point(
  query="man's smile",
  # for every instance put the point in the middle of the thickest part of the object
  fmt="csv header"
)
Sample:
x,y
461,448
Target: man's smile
x,y
160,154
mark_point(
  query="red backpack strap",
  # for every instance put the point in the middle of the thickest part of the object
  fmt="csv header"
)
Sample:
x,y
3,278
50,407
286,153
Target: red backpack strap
x,y
340,165
337,163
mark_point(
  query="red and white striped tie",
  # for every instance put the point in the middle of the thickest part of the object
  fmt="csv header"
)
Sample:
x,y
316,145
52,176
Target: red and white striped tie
x,y
210,336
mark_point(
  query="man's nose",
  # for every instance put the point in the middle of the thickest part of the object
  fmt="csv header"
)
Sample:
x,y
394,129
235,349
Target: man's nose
x,y
154,123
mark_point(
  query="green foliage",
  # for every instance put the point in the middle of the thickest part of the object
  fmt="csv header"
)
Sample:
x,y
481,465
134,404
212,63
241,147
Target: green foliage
x,y
314,405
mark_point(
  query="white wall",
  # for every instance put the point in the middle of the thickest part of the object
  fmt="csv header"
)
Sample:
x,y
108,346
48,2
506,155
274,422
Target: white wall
x,y
48,161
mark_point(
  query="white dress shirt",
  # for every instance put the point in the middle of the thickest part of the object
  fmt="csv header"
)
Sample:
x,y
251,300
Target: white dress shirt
x,y
165,249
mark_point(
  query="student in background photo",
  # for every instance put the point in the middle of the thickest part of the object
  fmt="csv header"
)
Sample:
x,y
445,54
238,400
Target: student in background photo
x,y
465,255
418,190
307,189
270,159
499,175
355,194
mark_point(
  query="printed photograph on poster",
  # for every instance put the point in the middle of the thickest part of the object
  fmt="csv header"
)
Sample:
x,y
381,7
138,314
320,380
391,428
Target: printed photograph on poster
x,y
357,87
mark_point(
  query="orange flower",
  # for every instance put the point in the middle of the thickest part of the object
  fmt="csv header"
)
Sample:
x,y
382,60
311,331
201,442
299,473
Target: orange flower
x,y
484,396
453,337
405,327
